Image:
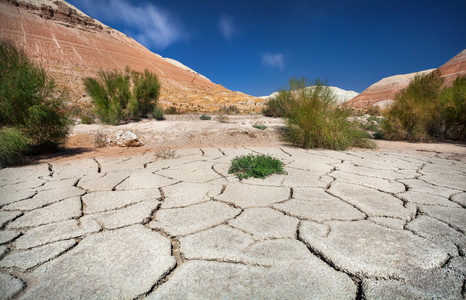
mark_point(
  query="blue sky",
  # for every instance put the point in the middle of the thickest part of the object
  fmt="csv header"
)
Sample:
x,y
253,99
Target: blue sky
x,y
255,46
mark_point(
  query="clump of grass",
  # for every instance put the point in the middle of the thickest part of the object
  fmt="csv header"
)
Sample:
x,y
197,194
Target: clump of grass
x,y
165,153
229,110
158,114
100,139
315,121
259,126
172,110
86,119
258,166
121,96
204,117
454,109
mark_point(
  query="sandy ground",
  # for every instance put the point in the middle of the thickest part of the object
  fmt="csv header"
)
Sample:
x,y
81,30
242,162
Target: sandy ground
x,y
187,131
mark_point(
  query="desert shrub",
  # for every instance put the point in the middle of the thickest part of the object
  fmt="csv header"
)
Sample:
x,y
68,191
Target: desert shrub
x,y
13,143
454,109
100,139
314,120
274,107
416,113
158,114
29,103
222,117
165,153
121,96
205,118
258,166
259,126
85,119
172,110
229,110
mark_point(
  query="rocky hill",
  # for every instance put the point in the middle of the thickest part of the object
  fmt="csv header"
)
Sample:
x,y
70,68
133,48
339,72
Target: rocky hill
x,y
71,45
383,92
341,95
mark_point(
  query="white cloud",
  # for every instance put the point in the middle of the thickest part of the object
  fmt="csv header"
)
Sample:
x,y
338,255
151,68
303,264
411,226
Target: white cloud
x,y
273,60
149,24
226,26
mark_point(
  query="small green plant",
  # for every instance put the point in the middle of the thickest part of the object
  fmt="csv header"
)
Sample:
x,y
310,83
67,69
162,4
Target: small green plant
x,y
258,166
454,109
259,126
86,119
158,114
204,117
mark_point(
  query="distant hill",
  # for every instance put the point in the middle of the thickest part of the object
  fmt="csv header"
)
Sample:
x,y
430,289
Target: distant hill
x,y
340,94
383,92
71,45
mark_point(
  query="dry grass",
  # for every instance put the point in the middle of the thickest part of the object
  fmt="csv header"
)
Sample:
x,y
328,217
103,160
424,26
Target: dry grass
x,y
165,153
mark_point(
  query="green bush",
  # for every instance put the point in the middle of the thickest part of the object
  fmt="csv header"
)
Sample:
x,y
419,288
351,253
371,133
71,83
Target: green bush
x,y
13,144
416,113
29,103
86,119
314,120
274,107
204,117
454,109
259,126
258,166
122,96
172,110
158,114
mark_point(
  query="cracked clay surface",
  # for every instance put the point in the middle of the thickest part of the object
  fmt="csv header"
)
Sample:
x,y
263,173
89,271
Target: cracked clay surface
x,y
339,225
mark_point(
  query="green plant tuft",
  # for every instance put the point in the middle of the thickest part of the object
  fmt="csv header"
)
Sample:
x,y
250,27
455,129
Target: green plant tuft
x,y
13,143
204,117
314,119
258,166
259,126
158,114
123,96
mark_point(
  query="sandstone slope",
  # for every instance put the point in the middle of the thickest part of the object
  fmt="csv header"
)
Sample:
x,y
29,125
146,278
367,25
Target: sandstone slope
x,y
71,45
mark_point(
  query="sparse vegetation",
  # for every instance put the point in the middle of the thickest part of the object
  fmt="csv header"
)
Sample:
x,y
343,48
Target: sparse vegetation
x,y
100,140
259,126
258,166
205,118
229,110
32,116
121,96
314,120
165,153
172,110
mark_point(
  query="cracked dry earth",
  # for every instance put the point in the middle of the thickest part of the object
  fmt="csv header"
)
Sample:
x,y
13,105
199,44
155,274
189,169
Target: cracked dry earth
x,y
340,225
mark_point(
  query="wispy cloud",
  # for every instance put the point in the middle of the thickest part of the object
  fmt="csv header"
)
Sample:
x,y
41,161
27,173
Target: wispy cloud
x,y
226,26
148,24
273,60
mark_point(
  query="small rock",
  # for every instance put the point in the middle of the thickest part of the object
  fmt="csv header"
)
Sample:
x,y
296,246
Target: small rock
x,y
127,139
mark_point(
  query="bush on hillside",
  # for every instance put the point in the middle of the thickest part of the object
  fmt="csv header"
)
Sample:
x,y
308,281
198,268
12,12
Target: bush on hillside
x,y
454,109
416,113
123,96
31,111
314,120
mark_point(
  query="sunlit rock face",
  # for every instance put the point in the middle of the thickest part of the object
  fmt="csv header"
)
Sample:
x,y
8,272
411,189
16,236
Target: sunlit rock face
x,y
386,89
71,45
